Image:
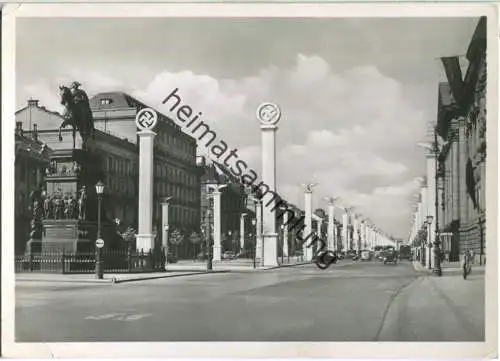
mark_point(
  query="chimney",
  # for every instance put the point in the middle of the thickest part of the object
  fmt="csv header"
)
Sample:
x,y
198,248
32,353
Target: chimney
x,y
19,128
32,103
34,135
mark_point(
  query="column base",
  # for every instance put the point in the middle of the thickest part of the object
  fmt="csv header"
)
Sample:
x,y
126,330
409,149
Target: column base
x,y
216,254
270,250
145,242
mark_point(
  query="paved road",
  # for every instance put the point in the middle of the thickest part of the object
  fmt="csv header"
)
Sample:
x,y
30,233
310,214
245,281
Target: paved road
x,y
347,302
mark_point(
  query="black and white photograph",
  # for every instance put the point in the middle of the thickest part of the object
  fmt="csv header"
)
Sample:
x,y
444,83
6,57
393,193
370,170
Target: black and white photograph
x,y
234,173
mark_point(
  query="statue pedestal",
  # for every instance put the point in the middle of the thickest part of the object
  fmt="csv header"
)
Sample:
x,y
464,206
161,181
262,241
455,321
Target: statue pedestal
x,y
71,236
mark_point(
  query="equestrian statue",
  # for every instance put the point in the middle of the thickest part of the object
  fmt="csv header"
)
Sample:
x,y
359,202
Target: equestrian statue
x,y
77,112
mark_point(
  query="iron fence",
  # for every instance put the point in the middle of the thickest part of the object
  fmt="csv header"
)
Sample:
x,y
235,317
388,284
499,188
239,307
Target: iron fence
x,y
113,261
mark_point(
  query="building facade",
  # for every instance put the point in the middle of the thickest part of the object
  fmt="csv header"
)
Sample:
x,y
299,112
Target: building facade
x,y
176,174
462,125
31,159
235,201
115,149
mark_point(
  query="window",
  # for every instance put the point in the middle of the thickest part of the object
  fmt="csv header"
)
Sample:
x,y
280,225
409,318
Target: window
x,y
106,101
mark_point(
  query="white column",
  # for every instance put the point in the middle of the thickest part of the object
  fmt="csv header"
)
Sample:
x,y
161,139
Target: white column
x,y
331,226
258,233
356,233
217,226
344,232
145,238
431,199
285,234
270,237
242,231
308,223
164,221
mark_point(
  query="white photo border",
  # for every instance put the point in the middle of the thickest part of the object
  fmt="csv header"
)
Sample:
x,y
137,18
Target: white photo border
x,y
487,349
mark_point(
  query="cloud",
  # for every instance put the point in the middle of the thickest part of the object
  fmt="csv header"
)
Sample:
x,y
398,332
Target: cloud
x,y
351,130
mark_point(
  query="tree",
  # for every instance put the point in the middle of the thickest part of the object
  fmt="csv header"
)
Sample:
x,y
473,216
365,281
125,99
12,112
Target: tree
x,y
176,238
195,238
129,236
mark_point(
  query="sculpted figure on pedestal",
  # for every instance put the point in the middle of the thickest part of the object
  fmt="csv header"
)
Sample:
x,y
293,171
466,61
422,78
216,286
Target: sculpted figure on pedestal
x,y
82,204
77,113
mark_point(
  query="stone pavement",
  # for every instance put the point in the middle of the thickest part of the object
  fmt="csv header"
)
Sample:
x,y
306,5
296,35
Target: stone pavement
x,y
450,268
107,277
236,265
453,306
182,268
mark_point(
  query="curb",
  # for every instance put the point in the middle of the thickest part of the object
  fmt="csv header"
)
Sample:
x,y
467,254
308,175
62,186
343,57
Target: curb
x,y
51,280
117,280
285,266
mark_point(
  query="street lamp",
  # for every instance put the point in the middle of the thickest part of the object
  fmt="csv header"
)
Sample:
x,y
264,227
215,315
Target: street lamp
x,y
99,188
254,223
166,228
429,242
229,233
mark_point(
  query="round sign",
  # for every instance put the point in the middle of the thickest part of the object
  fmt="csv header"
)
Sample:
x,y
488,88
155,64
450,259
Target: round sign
x,y
146,119
268,113
99,243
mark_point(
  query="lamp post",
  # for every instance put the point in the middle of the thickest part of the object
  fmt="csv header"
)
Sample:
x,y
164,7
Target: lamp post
x,y
254,223
166,228
429,241
229,233
99,188
208,243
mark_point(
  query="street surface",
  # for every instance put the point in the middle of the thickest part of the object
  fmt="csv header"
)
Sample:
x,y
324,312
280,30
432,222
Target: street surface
x,y
347,302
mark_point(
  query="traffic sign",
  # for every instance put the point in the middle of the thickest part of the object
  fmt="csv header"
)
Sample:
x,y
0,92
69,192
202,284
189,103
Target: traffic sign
x,y
99,243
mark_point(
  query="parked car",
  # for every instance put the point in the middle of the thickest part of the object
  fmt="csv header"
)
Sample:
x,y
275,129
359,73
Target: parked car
x,y
245,254
202,256
229,255
390,256
366,255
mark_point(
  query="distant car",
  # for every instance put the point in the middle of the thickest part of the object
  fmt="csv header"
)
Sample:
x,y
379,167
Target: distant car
x,y
202,256
245,254
366,255
229,255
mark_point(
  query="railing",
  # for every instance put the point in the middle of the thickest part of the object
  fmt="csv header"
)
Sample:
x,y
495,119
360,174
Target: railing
x,y
113,261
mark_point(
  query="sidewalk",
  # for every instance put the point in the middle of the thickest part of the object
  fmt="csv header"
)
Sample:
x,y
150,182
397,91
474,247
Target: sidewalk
x,y
450,268
180,269
435,309
236,265
107,277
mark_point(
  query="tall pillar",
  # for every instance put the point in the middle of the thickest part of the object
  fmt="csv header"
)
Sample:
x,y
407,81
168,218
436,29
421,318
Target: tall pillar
x,y
345,241
258,233
216,194
144,237
331,224
285,234
242,231
431,199
308,223
319,223
356,234
165,225
269,115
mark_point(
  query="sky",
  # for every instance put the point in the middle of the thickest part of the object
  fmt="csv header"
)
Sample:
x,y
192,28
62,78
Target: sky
x,y
356,94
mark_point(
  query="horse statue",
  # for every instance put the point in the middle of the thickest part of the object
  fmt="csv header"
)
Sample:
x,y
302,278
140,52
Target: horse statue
x,y
78,113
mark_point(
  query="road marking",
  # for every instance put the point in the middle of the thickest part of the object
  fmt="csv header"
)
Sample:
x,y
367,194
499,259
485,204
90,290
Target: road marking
x,y
119,317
